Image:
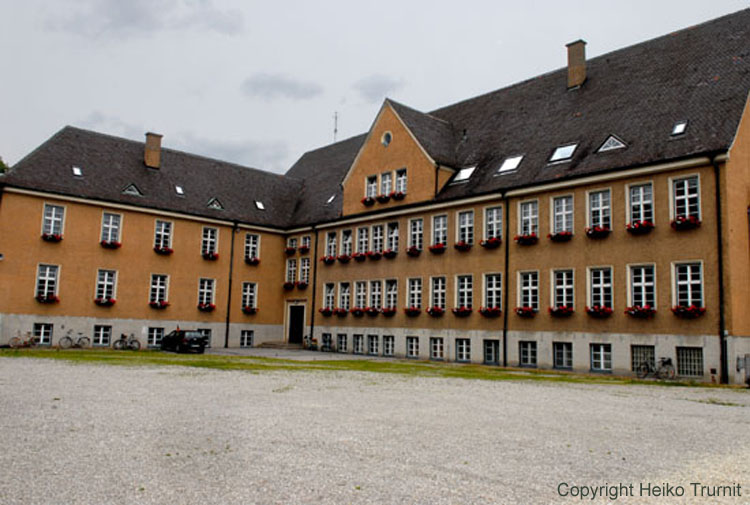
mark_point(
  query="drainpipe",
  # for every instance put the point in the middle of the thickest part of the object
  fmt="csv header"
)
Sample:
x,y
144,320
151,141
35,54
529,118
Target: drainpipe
x,y
505,280
314,265
720,250
437,171
229,286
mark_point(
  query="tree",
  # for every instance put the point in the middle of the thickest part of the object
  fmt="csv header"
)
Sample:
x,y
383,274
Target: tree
x,y
3,166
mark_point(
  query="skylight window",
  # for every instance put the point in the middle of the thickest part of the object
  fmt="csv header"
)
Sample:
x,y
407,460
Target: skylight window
x,y
259,205
77,172
179,190
214,203
511,163
563,153
679,128
464,174
330,199
611,144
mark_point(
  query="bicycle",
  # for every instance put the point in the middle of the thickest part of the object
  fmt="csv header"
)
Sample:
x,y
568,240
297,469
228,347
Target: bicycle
x,y
127,342
17,342
67,341
664,371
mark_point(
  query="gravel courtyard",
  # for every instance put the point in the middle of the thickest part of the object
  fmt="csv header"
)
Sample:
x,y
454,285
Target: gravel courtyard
x,y
101,434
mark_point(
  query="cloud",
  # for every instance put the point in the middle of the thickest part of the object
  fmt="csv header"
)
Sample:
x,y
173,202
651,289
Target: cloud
x,y
264,155
125,18
98,121
377,87
272,86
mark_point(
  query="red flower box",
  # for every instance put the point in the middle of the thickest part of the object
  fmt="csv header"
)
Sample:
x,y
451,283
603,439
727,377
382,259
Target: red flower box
x,y
398,195
389,311
435,311
374,255
599,311
326,311
344,258
598,232
384,198
390,254
252,261
303,249
105,302
210,256
640,312
249,310
561,311
686,312
437,248
51,237
359,257
340,312
110,244
491,243
206,307
560,236
47,298
462,246
328,260
290,250
462,311
639,227
413,251
372,311
527,312
164,251
301,285
681,223
368,201
412,311
159,305
357,311
288,286
491,311
529,239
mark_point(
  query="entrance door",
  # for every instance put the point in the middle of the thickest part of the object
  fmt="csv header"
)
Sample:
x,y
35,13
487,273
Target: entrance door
x,y
296,323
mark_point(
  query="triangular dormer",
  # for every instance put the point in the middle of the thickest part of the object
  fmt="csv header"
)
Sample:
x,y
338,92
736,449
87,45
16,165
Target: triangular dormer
x,y
215,204
407,157
611,144
132,189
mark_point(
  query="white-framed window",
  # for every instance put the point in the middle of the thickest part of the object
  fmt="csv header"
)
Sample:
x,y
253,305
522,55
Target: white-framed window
x,y
415,293
389,344
493,290
527,353
209,241
249,295
376,294
373,342
600,209
686,197
105,284
391,293
466,226
43,333
562,355
304,270
246,338
688,280
154,336
437,293
529,216
386,183
377,238
601,357
562,214
163,234
437,350
111,227
329,297
440,230
331,244
416,233
345,295
690,361
358,344
412,347
158,290
346,242
463,349
305,242
493,222
52,223
464,291
206,291
392,237
363,240
600,287
401,180
252,246
291,242
641,202
360,294
291,270
341,342
102,335
563,289
46,280
643,285
371,187
529,289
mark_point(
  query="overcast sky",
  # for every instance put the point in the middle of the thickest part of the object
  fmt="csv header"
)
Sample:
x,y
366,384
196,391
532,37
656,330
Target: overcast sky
x,y
258,83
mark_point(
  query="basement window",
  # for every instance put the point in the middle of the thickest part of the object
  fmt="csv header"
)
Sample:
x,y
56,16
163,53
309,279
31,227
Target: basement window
x,y
511,163
464,174
563,153
333,197
77,172
259,205
179,190
679,128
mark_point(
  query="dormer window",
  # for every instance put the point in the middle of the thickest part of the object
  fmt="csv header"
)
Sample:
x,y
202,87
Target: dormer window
x,y
179,191
77,172
132,189
563,153
611,144
464,174
215,204
259,205
511,163
679,128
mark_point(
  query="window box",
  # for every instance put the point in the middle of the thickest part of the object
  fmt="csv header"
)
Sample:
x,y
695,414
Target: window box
x,y
688,312
398,195
328,260
527,312
681,223
110,244
249,310
301,285
357,311
206,307
164,251
462,311
560,236
368,201
412,311
561,311
529,239
384,198
413,251
374,255
639,227
340,312
159,305
105,302
388,311
289,251
51,237
390,254
491,312
462,246
436,311
288,286
491,243
598,232
344,258
599,311
252,261
210,256
303,249
326,311
359,257
437,248
640,312
48,298
372,311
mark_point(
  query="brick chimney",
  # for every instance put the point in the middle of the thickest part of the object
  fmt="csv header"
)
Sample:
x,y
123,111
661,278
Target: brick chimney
x,y
152,154
576,63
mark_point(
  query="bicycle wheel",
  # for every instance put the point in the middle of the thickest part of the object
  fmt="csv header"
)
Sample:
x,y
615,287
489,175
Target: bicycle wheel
x,y
65,342
84,342
119,345
643,370
667,372
134,345
15,342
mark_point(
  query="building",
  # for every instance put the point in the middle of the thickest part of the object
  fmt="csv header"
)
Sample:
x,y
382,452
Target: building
x,y
589,219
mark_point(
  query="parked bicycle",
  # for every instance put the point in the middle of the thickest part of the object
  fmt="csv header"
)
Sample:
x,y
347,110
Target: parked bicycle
x,y
80,341
17,342
664,371
127,342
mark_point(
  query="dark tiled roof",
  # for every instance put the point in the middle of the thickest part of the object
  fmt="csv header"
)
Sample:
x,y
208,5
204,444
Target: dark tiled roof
x,y
110,164
435,135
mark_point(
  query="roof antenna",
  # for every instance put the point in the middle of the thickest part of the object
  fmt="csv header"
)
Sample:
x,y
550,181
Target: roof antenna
x,y
335,125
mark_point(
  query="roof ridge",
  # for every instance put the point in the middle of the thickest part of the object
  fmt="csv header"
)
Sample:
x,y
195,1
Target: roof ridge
x,y
428,114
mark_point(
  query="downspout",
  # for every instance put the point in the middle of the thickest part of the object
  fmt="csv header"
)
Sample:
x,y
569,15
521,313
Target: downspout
x,y
437,172
505,281
229,287
720,250
314,285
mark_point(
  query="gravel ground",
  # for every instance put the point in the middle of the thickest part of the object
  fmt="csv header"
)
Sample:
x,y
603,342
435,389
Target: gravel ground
x,y
99,434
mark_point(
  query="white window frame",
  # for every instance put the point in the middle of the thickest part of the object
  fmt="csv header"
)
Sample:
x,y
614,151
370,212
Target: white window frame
x,y
346,242
401,180
209,243
102,335
566,214
345,295
247,338
53,222
160,233
386,183
530,219
107,285
390,301
329,295
438,232
363,239
43,333
416,233
360,294
496,223
528,353
439,293
463,349
571,286
206,290
377,232
291,269
590,301
412,346
464,292
376,294
676,283
250,295
437,348
110,231
373,344
465,228
392,238
371,186
534,291
415,292
494,291
601,356
154,336
673,181
629,202
158,292
567,355
304,270
599,210
331,244
631,301
389,345
47,283
252,243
